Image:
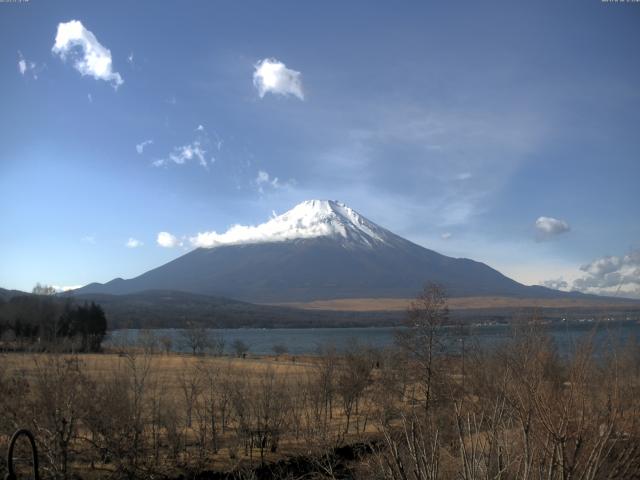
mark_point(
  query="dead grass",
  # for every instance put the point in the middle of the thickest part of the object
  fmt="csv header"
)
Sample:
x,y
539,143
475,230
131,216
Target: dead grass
x,y
460,303
170,368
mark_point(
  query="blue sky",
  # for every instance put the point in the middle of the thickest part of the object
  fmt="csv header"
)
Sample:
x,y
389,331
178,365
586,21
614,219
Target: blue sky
x,y
506,132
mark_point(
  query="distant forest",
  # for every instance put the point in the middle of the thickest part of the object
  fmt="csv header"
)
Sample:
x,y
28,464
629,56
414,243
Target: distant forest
x,y
42,321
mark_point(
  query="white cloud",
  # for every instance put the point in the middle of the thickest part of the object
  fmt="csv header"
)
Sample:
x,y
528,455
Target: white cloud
x,y
167,240
190,151
140,146
446,235
547,227
273,76
612,275
90,97
130,58
196,150
303,221
66,288
556,284
89,56
27,67
263,181
133,243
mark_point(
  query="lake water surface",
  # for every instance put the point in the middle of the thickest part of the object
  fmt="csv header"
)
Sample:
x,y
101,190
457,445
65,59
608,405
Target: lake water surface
x,y
303,341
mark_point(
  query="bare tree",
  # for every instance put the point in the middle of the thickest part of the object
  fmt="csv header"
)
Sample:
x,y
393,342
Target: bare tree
x,y
270,407
196,338
57,408
240,347
279,349
148,341
116,418
216,343
422,337
353,377
410,452
39,289
167,343
212,399
190,386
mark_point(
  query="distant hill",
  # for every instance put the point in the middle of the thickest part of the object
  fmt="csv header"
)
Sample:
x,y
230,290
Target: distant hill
x,y
319,250
6,295
175,309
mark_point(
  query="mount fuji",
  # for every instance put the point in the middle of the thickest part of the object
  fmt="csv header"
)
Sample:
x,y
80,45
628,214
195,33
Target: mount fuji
x,y
318,250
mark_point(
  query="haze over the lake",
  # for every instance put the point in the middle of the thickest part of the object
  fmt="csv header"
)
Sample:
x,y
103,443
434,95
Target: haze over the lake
x,y
503,132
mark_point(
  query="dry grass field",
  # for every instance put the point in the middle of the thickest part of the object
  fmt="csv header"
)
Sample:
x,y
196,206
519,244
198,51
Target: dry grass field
x,y
193,412
462,303
172,366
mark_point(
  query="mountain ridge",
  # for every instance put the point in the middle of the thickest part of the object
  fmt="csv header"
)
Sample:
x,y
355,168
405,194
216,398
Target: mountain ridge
x,y
318,250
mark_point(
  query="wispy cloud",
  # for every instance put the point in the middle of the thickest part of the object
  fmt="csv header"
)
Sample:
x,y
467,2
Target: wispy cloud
x,y
449,162
446,236
27,67
272,76
167,240
133,243
263,181
140,146
184,153
89,56
197,150
612,275
547,227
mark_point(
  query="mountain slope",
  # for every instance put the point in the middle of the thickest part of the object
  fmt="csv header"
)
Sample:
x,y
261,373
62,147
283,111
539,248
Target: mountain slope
x,y
318,250
6,295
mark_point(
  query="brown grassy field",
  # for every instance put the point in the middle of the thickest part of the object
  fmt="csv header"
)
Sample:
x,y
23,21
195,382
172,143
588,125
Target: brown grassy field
x,y
461,303
180,398
172,365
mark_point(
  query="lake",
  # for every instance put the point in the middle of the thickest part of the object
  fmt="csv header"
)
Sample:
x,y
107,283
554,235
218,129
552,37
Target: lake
x,y
303,341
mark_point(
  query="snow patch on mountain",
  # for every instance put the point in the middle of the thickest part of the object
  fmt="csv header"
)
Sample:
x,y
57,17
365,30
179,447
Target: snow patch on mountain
x,y
309,219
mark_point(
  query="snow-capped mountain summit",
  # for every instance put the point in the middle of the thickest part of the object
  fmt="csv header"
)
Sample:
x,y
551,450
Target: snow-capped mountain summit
x,y
318,250
309,219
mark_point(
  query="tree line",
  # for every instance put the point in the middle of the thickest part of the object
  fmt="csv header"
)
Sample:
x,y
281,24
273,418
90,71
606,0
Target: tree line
x,y
43,321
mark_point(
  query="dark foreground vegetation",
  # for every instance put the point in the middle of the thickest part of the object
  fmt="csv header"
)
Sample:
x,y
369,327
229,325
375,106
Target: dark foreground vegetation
x,y
412,412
